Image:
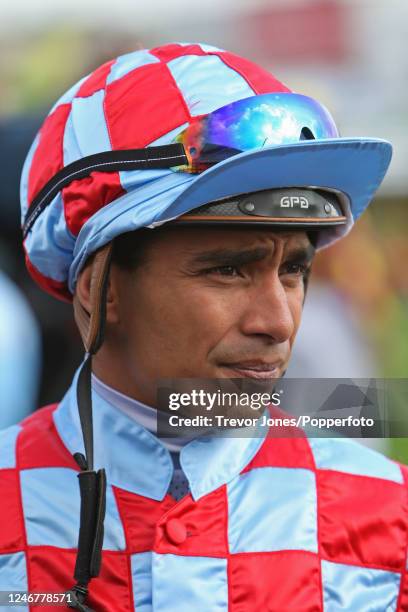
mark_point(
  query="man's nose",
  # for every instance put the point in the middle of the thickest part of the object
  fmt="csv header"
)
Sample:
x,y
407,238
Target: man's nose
x,y
268,311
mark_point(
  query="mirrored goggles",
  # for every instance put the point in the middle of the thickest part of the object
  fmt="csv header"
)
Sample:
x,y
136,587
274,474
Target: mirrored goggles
x,y
256,122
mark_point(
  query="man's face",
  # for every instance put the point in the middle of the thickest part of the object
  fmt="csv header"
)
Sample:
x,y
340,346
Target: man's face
x,y
209,303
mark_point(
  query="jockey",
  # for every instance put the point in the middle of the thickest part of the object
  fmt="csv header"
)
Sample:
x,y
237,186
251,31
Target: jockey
x,y
176,196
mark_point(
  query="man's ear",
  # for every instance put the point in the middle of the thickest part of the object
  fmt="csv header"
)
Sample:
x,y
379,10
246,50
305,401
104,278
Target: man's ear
x,y
83,291
83,286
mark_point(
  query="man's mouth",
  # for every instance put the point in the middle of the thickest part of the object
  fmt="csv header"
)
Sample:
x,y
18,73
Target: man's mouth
x,y
254,369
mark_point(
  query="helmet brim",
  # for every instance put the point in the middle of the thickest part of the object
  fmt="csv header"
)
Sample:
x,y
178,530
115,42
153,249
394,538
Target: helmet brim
x,y
352,167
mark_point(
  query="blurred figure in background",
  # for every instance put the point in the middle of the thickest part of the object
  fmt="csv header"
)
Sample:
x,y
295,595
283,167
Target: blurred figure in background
x,y
343,350
339,309
20,355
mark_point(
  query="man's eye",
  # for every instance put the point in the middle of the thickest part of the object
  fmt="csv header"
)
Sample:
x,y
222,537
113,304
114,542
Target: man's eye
x,y
224,271
295,268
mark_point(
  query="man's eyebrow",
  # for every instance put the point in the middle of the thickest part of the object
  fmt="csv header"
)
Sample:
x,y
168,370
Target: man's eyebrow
x,y
231,257
303,254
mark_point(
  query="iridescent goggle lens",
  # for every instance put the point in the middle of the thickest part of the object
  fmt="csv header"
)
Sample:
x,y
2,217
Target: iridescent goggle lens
x,y
256,122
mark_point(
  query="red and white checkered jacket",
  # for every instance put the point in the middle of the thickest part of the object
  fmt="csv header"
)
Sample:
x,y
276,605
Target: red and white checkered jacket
x,y
303,524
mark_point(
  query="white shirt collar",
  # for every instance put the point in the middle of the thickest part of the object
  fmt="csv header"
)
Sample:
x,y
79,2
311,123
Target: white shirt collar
x,y
137,461
144,415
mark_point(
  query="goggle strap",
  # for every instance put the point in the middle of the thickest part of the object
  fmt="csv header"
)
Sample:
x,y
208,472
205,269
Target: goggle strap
x,y
164,156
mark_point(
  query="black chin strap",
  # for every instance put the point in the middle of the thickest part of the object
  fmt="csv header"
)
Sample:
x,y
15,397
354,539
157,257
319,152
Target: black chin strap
x,y
92,487
92,484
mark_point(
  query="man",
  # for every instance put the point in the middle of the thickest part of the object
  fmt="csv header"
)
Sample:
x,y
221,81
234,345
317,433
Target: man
x,y
177,196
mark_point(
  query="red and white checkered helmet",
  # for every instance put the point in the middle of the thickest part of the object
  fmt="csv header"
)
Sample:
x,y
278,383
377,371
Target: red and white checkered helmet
x,y
147,98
